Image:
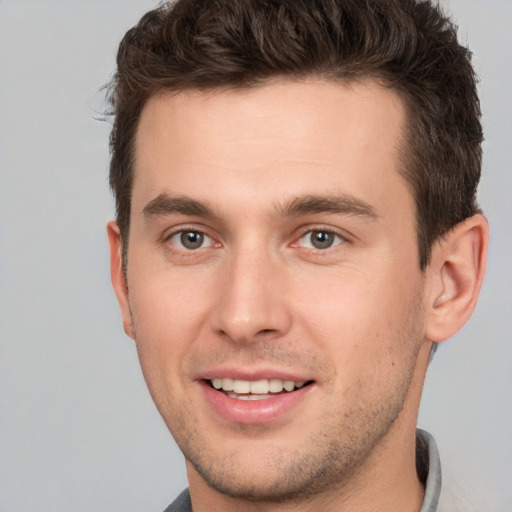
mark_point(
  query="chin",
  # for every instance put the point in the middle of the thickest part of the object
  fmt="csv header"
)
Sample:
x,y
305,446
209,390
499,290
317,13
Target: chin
x,y
277,475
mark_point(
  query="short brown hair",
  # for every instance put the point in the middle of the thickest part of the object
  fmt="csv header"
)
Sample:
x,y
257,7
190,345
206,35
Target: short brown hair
x,y
407,45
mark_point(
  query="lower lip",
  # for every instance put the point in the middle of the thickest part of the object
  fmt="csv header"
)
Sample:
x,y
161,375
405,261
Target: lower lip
x,y
253,411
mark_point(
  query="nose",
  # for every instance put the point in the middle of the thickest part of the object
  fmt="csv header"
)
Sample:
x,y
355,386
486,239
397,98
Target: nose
x,y
253,302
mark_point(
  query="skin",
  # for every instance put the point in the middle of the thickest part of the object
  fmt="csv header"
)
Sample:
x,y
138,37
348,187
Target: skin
x,y
256,172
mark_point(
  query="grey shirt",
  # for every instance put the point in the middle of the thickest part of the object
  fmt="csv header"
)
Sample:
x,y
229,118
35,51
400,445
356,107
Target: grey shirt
x,y
426,448
428,465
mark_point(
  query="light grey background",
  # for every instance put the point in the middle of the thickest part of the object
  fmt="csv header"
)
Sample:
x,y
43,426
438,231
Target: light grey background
x,y
78,430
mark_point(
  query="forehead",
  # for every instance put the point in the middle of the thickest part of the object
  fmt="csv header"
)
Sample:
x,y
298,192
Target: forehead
x,y
282,138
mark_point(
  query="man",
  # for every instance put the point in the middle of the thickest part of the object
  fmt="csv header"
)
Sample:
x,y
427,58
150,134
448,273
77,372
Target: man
x,y
296,230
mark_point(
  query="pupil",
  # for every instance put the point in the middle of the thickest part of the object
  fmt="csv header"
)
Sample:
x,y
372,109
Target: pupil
x,y
321,239
192,239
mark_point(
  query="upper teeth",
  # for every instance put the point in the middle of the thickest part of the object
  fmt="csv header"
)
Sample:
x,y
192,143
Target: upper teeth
x,y
258,387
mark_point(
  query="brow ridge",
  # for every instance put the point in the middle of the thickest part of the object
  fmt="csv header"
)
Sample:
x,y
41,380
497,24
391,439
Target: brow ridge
x,y
335,204
165,204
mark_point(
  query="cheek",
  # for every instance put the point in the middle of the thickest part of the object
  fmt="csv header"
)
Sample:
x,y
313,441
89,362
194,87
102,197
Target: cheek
x,y
359,318
167,320
167,304
164,336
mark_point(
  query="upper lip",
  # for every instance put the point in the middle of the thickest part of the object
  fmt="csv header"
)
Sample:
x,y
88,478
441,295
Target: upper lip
x,y
253,375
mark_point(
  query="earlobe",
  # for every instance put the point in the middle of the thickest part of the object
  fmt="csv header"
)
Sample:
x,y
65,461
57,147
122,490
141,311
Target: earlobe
x,y
456,272
118,277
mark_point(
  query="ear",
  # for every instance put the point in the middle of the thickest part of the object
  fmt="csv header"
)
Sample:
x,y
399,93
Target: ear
x,y
456,273
118,277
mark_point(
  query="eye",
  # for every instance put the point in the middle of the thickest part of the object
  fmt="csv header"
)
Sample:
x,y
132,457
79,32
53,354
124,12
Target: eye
x,y
190,240
320,239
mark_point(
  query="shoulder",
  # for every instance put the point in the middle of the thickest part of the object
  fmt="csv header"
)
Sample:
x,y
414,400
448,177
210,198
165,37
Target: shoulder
x,y
181,503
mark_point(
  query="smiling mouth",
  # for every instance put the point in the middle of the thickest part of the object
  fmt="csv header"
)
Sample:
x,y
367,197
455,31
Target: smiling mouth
x,y
255,390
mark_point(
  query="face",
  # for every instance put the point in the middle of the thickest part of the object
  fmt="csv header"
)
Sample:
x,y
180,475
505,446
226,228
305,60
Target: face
x,y
274,289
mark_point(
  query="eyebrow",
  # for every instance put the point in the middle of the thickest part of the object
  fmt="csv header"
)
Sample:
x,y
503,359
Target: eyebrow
x,y
335,204
165,204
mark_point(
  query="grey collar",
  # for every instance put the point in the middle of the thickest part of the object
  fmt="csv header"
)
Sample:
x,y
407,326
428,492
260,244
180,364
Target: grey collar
x,y
427,445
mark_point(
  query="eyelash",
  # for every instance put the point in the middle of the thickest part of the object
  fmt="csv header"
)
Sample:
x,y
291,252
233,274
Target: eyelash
x,y
337,239
187,231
